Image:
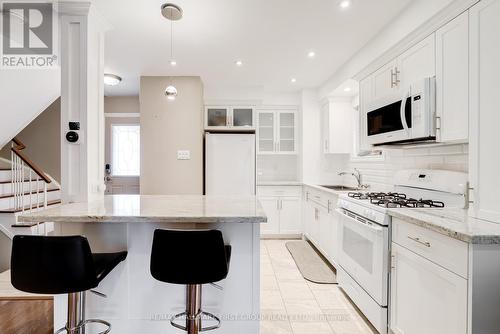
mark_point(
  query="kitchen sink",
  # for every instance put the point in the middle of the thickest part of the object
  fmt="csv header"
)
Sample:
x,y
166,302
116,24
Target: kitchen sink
x,y
340,188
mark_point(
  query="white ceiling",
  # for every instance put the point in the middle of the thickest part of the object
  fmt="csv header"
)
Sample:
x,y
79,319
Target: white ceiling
x,y
271,37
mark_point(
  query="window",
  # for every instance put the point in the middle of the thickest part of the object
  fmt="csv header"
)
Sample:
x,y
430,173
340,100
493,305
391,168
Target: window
x,y
125,150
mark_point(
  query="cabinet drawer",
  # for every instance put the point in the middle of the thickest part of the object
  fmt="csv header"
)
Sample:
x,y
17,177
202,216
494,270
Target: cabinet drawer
x,y
447,252
282,191
322,198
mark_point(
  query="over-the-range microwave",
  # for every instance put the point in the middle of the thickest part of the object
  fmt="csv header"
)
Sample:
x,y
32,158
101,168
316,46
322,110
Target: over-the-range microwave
x,y
409,117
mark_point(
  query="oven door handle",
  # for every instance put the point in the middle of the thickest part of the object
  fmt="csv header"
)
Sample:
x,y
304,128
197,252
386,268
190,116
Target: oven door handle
x,y
404,121
372,226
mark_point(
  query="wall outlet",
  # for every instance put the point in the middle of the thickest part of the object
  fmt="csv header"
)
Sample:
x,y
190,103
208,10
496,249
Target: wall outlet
x,y
183,155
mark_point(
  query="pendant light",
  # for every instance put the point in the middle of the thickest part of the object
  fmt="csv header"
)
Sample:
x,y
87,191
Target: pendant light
x,y
172,13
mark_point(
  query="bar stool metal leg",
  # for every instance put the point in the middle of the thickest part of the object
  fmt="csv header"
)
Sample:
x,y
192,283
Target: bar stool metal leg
x,y
193,308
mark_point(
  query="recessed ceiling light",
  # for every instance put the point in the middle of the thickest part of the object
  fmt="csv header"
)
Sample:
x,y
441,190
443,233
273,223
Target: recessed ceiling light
x,y
173,63
311,54
345,4
238,63
347,89
111,79
293,80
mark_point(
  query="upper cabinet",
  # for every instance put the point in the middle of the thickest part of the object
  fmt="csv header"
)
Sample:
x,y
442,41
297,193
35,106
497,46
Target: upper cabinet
x,y
277,132
484,114
384,83
452,81
229,118
337,125
417,63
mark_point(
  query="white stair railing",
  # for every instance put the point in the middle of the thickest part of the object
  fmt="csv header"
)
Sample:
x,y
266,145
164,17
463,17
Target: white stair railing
x,y
20,165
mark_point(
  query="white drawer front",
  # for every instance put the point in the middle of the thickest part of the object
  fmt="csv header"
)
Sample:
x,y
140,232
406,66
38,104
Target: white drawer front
x,y
320,197
447,252
282,191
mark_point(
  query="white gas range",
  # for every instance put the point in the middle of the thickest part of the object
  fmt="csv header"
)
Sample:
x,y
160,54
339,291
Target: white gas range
x,y
364,229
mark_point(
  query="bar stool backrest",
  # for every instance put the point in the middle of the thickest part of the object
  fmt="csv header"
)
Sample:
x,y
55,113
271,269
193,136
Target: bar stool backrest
x,y
52,264
189,257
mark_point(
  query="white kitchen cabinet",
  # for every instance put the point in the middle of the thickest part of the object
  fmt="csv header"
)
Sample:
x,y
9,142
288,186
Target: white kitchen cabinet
x,y
338,126
321,222
417,63
484,112
277,132
425,297
282,205
452,81
384,83
229,118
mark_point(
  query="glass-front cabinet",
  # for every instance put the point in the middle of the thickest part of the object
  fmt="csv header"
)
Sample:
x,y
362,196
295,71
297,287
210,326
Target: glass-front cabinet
x,y
229,118
277,131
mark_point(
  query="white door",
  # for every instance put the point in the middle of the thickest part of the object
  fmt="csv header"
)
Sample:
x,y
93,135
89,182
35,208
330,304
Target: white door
x,y
384,83
271,208
122,155
333,231
315,224
425,298
230,164
290,215
452,80
287,132
324,236
308,217
418,62
266,132
484,111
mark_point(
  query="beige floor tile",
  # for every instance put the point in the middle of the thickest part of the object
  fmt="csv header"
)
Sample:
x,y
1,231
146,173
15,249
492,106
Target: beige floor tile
x,y
268,282
266,269
275,327
331,299
287,273
322,287
311,328
292,290
304,311
271,300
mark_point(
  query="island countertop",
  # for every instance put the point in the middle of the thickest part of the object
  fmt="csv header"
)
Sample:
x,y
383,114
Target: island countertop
x,y
154,208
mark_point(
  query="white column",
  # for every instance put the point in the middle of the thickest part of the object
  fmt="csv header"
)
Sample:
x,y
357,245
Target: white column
x,y
82,100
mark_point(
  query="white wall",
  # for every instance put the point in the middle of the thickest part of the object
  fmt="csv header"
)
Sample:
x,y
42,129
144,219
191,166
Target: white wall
x,y
416,14
166,127
24,94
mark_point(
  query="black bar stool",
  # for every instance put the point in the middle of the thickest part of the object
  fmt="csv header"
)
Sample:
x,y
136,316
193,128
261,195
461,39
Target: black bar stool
x,y
190,258
57,265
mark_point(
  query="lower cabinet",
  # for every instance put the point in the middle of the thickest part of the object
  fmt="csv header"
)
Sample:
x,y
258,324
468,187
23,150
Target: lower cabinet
x,y
321,223
282,206
425,297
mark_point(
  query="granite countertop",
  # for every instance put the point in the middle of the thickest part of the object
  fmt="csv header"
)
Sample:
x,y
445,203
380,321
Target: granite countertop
x,y
155,208
454,223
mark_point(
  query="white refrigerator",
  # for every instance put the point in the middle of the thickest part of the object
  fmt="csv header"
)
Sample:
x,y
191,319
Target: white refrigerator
x,y
229,163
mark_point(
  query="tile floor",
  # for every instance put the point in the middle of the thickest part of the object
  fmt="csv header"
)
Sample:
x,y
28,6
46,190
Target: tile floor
x,y
292,305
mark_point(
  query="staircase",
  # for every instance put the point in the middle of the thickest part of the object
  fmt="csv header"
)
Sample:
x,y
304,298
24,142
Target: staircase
x,y
24,188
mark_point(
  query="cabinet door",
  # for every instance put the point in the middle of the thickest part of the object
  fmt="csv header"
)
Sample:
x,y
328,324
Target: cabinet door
x,y
384,83
217,117
307,215
324,235
290,215
266,132
325,127
315,225
333,247
484,111
287,132
271,208
417,63
365,98
452,80
425,298
242,117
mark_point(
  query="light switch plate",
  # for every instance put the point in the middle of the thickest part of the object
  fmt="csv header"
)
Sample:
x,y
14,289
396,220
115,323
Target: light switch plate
x,y
183,155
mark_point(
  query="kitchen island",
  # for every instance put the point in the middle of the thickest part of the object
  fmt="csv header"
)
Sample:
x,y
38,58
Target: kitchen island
x,y
135,301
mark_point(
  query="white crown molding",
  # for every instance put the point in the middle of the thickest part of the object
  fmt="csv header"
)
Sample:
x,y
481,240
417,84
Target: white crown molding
x,y
72,7
434,23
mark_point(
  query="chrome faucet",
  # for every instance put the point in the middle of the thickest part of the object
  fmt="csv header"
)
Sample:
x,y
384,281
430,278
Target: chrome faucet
x,y
357,175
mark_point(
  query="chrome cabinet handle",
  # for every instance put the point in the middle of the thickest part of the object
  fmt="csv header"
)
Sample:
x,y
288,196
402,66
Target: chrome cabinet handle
x,y
392,78
416,239
438,122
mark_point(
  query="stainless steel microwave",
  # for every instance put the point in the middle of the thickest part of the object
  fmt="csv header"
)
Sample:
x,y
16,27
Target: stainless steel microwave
x,y
406,118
